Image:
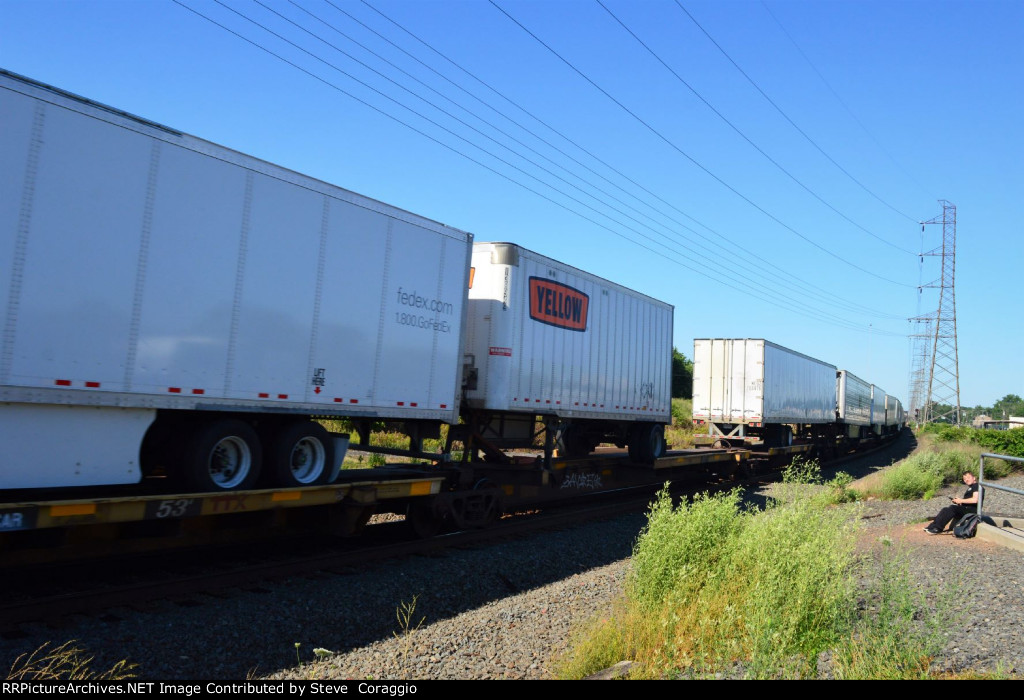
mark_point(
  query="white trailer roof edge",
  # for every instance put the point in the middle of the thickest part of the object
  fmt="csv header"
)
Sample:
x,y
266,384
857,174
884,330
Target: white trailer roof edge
x,y
580,271
64,99
774,345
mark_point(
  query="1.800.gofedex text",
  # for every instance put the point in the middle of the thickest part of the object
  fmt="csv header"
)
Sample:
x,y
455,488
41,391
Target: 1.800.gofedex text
x,y
417,321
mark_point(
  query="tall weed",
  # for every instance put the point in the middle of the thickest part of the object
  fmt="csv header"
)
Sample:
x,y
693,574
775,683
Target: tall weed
x,y
681,546
924,473
718,592
716,589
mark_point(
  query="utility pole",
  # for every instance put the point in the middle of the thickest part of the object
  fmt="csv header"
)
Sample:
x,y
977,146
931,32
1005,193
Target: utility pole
x,y
944,368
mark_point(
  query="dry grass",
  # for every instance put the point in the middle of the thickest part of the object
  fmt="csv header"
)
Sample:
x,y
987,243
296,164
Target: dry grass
x,y
65,662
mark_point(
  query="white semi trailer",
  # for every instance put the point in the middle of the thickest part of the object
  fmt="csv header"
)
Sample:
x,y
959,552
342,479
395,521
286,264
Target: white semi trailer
x,y
752,390
853,404
166,296
589,358
174,307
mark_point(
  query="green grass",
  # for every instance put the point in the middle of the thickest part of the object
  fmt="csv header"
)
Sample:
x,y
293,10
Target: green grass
x,y
679,434
719,591
920,476
1006,442
937,462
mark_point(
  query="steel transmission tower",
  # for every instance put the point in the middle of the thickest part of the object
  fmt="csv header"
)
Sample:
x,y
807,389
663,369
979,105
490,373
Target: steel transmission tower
x,y
943,387
921,361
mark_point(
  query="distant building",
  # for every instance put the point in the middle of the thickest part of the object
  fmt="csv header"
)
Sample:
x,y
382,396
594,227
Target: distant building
x,y
979,421
1008,424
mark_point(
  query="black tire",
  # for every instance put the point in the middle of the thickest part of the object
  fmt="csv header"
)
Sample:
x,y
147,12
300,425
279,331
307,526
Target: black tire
x,y
574,442
655,439
646,442
785,438
299,454
421,518
224,455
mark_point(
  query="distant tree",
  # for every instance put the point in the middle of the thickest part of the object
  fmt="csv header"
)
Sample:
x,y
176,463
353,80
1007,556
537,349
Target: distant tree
x,y
1009,405
968,415
682,376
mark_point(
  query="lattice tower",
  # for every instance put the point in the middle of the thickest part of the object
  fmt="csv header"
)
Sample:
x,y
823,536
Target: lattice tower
x,y
921,361
944,369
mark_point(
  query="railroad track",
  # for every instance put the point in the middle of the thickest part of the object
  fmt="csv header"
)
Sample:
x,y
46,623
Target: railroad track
x,y
49,594
52,593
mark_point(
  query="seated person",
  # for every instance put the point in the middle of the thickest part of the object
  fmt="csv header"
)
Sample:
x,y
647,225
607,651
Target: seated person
x,y
958,507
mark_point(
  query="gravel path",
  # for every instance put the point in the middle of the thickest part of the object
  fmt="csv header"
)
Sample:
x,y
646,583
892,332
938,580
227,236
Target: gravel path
x,y
500,612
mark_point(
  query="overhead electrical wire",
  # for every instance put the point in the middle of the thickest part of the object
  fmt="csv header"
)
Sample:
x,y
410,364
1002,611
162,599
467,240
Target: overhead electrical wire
x,y
738,250
821,315
842,102
743,135
785,116
758,271
693,160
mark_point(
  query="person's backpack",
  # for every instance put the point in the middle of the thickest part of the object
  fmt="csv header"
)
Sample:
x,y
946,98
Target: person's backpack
x,y
967,526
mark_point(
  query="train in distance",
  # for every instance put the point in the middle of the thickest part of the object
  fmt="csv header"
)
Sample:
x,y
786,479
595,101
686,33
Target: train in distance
x,y
752,391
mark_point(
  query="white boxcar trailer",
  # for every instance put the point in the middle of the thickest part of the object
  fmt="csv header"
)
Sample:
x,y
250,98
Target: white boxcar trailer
x,y
877,410
853,404
751,389
591,358
894,416
165,289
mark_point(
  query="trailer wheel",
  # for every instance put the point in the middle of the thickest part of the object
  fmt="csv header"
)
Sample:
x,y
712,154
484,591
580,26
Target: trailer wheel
x,y
646,442
423,520
574,442
656,441
223,456
785,436
300,454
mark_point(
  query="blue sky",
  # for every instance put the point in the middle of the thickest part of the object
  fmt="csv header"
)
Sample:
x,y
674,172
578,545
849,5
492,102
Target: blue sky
x,y
762,166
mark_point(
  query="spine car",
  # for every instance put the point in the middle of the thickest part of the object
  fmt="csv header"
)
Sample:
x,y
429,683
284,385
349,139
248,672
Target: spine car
x,y
179,308
752,391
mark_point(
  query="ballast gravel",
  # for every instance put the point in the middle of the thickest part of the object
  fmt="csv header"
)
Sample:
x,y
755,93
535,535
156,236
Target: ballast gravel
x,y
501,611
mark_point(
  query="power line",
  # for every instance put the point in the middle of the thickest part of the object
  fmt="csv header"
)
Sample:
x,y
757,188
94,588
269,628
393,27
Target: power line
x,y
794,125
757,270
686,155
742,135
841,101
703,272
821,315
737,250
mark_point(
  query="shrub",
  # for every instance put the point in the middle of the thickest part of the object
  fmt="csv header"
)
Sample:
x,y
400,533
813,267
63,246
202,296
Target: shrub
x,y
1007,442
918,476
681,543
716,591
712,583
838,489
802,471
682,412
